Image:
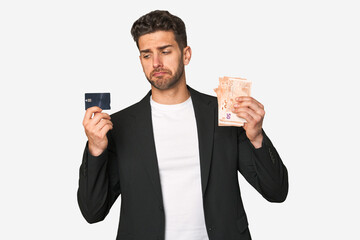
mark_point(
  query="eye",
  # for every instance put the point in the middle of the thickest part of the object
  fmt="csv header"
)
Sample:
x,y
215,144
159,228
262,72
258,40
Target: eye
x,y
146,56
166,52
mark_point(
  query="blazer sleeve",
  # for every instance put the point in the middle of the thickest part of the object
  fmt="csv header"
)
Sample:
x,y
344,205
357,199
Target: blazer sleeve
x,y
99,184
263,168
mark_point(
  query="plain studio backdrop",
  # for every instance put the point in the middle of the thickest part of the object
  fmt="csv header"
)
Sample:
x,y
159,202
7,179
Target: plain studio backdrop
x,y
303,58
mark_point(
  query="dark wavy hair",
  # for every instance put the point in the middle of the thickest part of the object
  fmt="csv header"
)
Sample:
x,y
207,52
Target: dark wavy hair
x,y
160,20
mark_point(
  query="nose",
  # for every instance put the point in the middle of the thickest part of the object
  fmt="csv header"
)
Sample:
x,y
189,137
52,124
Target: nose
x,y
157,61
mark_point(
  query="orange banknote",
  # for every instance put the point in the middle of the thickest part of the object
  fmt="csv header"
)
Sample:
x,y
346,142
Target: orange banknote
x,y
230,88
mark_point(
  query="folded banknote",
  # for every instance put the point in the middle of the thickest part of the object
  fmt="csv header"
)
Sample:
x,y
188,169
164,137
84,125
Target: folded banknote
x,y
230,88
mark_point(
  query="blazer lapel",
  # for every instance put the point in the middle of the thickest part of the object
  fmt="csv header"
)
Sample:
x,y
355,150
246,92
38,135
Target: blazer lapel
x,y
145,138
205,121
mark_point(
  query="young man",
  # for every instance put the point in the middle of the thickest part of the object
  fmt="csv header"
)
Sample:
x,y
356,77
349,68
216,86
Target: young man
x,y
175,168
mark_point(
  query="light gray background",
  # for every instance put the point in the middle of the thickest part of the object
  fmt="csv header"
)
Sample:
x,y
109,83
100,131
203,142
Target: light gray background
x,y
303,59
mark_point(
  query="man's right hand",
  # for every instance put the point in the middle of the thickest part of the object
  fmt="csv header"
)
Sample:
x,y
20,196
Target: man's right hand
x,y
96,128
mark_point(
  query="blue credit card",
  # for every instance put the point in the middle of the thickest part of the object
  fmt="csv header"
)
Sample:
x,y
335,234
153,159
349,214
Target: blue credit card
x,y
101,100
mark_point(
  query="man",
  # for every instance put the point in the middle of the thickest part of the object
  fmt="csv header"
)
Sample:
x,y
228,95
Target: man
x,y
175,168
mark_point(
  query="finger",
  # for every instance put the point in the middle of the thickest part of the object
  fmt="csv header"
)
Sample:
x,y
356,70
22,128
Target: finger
x,y
90,111
105,129
254,117
246,110
95,130
99,116
246,116
252,105
103,123
248,98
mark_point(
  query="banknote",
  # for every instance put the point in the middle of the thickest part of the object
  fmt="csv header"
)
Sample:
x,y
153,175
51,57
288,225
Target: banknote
x,y
230,88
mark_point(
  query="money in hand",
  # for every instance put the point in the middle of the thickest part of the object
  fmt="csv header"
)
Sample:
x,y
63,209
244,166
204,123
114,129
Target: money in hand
x,y
230,88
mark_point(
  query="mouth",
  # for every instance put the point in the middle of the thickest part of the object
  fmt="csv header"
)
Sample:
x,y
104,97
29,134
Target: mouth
x,y
157,74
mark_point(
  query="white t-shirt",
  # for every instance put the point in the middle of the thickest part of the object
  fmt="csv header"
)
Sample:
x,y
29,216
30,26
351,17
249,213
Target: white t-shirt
x,y
177,150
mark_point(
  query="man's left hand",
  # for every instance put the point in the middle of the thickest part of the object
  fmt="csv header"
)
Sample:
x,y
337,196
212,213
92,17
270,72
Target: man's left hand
x,y
253,112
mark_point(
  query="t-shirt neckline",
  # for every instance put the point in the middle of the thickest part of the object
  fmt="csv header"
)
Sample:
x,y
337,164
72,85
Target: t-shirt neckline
x,y
169,107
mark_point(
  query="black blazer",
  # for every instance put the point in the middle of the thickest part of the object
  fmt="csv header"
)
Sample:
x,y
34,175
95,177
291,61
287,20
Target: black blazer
x,y
129,167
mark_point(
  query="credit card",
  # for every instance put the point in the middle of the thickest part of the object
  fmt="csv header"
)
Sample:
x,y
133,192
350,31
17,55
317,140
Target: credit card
x,y
102,100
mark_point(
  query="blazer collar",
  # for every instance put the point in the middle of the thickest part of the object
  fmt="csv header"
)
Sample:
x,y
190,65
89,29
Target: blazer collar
x,y
143,130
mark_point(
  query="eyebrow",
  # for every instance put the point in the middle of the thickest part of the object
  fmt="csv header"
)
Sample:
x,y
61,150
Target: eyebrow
x,y
159,48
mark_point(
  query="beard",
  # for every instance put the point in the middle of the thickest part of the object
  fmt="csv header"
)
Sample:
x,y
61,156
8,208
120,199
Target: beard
x,y
168,80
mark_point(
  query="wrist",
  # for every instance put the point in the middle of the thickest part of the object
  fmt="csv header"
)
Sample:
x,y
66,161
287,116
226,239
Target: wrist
x,y
257,141
95,151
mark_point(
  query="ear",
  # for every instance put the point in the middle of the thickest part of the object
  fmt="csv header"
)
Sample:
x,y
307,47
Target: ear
x,y
187,55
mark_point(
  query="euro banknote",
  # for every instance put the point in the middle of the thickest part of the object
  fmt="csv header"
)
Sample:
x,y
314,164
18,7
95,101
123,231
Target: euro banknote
x,y
228,90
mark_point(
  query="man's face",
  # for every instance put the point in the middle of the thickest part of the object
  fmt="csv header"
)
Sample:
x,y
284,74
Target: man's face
x,y
161,59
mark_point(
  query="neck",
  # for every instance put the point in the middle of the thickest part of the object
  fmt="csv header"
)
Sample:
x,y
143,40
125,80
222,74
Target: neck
x,y
175,95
